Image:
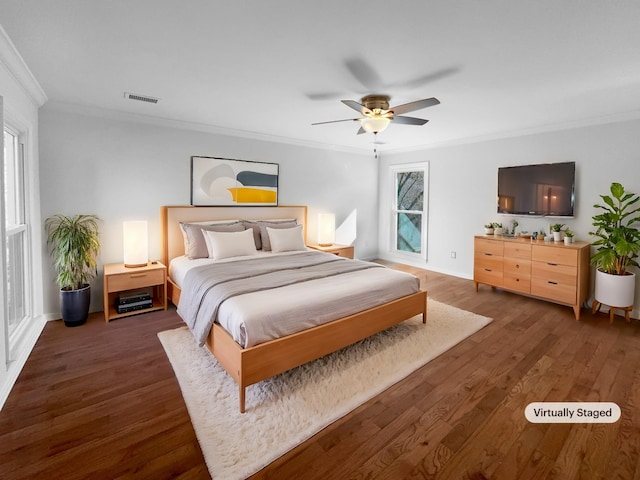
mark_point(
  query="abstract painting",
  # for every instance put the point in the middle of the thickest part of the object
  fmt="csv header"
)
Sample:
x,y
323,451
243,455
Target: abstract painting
x,y
225,181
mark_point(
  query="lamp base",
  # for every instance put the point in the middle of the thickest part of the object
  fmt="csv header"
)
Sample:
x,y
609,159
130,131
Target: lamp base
x,y
325,244
136,265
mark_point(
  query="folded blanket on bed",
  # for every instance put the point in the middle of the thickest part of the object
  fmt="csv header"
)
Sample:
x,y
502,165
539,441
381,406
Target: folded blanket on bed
x,y
206,287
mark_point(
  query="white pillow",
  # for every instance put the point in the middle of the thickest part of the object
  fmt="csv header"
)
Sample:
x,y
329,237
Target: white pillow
x,y
229,244
286,239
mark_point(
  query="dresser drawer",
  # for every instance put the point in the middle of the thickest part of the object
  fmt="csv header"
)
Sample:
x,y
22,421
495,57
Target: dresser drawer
x,y
517,266
553,291
517,250
516,283
488,276
489,263
134,280
555,254
488,247
551,272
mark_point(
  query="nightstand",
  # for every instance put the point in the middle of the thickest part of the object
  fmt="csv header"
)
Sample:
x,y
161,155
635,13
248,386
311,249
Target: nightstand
x,y
340,250
118,279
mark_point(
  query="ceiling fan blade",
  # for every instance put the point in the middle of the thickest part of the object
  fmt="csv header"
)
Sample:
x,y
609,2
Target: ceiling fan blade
x,y
364,73
357,107
409,120
324,95
336,121
417,105
424,79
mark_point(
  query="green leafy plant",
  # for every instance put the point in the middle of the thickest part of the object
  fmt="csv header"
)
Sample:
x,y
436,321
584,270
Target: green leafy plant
x,y
488,225
618,240
496,225
568,233
556,227
74,243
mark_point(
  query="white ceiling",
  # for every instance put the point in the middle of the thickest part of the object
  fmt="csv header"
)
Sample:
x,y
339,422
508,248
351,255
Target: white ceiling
x,y
272,68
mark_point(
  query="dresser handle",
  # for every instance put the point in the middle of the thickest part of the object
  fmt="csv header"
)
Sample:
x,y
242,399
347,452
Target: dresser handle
x,y
488,270
552,283
552,264
137,275
517,266
489,254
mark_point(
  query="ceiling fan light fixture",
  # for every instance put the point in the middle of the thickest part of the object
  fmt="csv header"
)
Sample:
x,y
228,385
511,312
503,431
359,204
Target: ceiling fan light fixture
x,y
374,124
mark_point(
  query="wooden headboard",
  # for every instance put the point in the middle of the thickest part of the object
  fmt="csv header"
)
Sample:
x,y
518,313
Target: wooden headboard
x,y
171,216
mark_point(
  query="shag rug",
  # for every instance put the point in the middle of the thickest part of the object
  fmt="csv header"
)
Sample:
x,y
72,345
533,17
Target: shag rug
x,y
285,410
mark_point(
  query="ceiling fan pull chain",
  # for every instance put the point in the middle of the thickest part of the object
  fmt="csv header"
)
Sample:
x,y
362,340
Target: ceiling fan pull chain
x,y
375,145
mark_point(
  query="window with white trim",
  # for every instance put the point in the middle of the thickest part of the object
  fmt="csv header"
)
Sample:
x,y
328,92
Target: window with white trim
x,y
16,231
409,210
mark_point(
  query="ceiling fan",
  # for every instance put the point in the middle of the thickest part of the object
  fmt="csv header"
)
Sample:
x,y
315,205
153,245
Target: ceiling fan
x,y
377,115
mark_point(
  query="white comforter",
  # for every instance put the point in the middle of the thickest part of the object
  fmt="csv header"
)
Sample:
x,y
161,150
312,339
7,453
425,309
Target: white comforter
x,y
256,317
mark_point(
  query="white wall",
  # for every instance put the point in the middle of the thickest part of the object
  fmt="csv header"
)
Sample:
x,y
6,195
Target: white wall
x,y
95,162
463,185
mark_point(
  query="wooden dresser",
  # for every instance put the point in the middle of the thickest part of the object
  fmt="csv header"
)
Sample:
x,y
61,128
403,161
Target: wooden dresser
x,y
546,270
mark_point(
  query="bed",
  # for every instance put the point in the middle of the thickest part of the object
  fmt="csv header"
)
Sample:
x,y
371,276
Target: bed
x,y
252,359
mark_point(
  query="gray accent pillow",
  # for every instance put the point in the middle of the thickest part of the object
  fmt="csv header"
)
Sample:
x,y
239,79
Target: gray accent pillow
x,y
264,234
255,226
195,245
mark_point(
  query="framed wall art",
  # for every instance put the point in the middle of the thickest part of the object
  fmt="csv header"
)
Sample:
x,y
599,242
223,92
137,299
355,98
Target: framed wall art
x,y
225,181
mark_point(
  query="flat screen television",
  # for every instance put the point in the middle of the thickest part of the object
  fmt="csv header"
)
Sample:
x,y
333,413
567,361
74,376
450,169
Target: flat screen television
x,y
545,189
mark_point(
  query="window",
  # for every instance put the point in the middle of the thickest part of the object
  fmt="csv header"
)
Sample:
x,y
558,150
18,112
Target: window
x,y
16,253
409,209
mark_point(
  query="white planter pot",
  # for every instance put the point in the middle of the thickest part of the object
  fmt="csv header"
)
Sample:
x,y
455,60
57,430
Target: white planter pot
x,y
557,236
615,290
488,231
568,240
498,231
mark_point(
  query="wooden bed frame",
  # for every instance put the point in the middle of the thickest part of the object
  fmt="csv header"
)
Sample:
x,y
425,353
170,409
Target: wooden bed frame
x,y
251,365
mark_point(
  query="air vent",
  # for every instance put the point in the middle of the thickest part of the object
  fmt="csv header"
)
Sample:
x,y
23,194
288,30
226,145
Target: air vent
x,y
140,98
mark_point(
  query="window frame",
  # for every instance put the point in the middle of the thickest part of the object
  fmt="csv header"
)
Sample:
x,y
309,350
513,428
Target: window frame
x,y
15,333
394,171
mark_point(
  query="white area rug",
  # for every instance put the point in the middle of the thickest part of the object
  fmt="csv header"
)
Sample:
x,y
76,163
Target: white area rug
x,y
287,409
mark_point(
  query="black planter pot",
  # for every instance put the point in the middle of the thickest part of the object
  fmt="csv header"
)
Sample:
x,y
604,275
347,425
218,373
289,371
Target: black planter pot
x,y
75,305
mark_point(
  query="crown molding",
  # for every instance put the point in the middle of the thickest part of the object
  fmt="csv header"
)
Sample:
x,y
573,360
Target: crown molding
x,y
13,62
540,129
118,115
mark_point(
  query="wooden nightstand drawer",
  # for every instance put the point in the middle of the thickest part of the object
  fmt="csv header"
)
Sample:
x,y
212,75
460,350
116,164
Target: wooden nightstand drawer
x,y
133,280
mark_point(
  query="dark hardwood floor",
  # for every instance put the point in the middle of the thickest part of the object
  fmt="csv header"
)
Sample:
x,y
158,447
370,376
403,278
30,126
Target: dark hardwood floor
x,y
101,401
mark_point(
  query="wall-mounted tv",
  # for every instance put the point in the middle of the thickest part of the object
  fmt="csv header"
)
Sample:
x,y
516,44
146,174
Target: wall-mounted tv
x,y
542,189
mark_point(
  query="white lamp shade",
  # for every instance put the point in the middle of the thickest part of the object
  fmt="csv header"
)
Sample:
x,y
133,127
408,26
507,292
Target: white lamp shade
x,y
326,228
136,243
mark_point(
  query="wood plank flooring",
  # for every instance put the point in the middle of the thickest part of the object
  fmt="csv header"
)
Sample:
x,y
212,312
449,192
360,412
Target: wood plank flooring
x,y
101,401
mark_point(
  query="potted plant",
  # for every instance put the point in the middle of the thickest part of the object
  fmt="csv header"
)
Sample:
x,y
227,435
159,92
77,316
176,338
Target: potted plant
x,y
74,243
617,247
497,228
568,237
488,228
541,235
556,230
